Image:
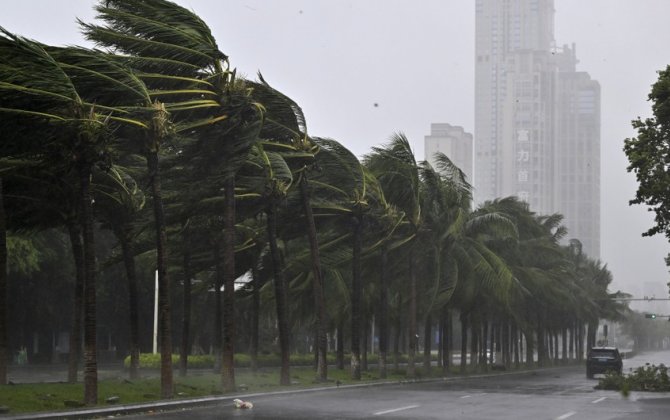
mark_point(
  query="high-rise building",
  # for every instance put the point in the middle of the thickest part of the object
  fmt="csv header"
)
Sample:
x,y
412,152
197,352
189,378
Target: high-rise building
x,y
454,142
577,183
537,120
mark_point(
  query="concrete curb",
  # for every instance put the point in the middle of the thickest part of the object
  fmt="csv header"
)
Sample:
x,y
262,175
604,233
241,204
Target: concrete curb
x,y
172,405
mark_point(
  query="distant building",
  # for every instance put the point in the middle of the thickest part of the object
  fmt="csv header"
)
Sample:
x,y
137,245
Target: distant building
x,y
577,183
537,120
454,142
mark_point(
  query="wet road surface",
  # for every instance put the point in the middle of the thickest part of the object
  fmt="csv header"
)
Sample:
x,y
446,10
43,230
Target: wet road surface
x,y
549,394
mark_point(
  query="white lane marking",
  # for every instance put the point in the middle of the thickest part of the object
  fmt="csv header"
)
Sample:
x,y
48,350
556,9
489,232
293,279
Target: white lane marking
x,y
379,413
566,415
598,400
466,396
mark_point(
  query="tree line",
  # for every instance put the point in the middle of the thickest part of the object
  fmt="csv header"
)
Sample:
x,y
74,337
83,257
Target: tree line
x,y
154,140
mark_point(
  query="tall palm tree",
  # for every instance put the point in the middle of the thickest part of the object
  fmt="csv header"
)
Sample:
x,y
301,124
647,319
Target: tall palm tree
x,y
285,125
397,170
175,54
38,89
121,202
267,178
350,194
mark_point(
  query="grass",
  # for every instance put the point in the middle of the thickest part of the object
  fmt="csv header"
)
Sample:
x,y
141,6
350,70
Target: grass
x,y
35,397
152,361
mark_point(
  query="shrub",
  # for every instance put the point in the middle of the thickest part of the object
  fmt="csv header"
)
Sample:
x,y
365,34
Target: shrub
x,y
243,360
646,378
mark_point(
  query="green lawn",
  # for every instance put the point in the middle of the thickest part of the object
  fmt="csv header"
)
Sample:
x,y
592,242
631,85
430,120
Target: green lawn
x,y
20,398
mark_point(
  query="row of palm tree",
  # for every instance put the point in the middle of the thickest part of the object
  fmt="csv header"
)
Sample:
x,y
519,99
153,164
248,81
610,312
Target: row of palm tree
x,y
157,119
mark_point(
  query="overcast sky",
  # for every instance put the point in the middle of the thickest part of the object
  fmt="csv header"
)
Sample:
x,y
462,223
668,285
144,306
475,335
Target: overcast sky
x,y
415,60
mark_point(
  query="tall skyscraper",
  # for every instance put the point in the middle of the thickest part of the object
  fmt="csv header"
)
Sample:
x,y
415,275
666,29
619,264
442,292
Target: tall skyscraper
x,y
454,142
577,183
537,120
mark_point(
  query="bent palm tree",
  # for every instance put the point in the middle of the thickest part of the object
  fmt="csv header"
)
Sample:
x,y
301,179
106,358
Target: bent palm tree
x,y
175,54
285,126
39,91
396,168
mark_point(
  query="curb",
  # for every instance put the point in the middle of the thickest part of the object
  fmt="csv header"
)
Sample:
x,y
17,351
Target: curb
x,y
171,405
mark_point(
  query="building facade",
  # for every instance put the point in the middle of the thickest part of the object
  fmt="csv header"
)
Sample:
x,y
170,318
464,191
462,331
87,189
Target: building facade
x,y
454,142
537,120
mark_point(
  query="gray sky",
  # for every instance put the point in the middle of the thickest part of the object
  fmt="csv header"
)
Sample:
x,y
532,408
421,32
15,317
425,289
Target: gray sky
x,y
415,59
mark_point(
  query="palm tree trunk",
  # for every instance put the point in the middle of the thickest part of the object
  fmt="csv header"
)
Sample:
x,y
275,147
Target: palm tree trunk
x,y
592,330
163,281
4,325
228,351
541,347
486,346
489,347
446,340
580,341
218,310
74,230
396,345
530,347
506,344
316,348
412,338
464,341
340,345
440,342
356,290
427,344
129,262
572,343
255,309
383,313
322,368
90,350
186,317
364,344
281,300
516,345
475,330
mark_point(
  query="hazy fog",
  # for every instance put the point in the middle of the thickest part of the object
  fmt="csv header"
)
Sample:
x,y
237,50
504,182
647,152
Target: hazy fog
x,y
415,60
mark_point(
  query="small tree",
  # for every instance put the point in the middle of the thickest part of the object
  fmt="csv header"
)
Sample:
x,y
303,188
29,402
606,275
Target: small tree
x,y
649,155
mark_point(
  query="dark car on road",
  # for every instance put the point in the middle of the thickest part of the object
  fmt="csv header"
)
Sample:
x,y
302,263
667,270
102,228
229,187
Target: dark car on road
x,y
603,360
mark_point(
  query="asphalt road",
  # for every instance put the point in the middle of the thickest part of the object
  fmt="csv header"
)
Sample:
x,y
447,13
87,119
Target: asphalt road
x,y
549,394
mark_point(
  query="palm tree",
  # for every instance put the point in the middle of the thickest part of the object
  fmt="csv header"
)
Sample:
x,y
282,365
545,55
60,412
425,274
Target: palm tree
x,y
445,199
39,90
186,317
285,125
120,202
268,178
396,169
174,52
351,196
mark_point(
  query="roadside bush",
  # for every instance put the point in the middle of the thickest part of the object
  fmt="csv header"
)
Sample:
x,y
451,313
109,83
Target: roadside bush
x,y
206,361
646,378
612,381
